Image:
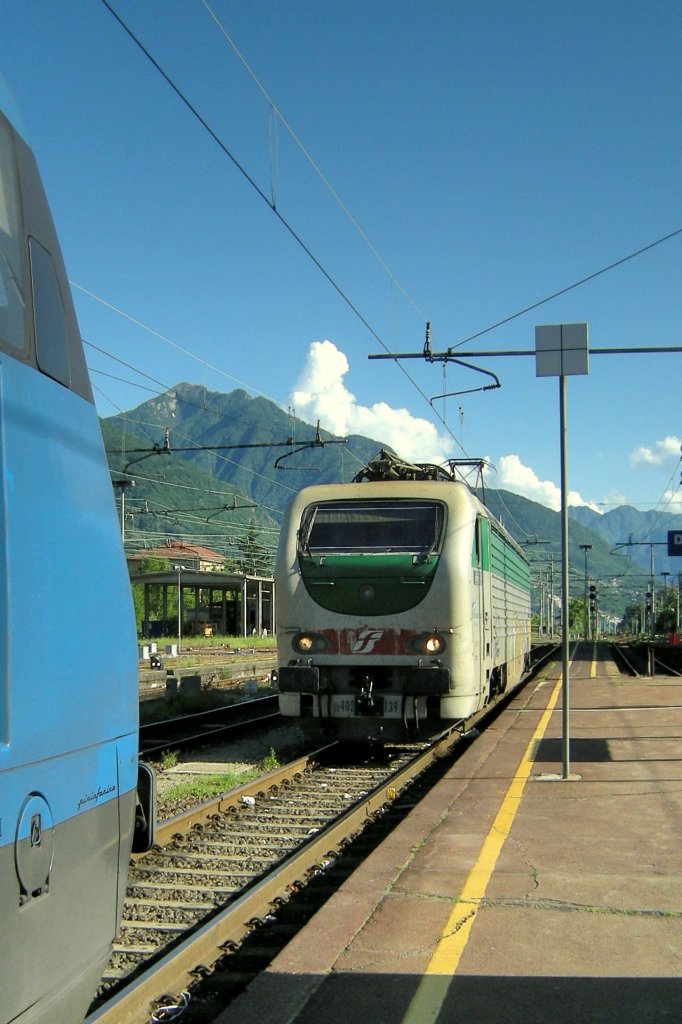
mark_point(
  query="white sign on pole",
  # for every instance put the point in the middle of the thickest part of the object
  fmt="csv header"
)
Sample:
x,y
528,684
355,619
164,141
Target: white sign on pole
x,y
561,350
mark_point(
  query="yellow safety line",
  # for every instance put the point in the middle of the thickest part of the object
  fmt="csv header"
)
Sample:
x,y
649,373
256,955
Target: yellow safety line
x,y
433,987
593,666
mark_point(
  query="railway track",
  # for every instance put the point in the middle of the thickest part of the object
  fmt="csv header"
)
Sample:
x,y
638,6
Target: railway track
x,y
219,668
222,867
207,726
641,660
226,869
224,875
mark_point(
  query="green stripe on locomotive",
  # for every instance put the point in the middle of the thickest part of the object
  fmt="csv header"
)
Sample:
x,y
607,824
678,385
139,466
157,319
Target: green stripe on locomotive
x,y
378,584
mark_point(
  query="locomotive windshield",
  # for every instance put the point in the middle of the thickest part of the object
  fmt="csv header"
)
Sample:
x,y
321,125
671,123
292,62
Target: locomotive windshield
x,y
372,527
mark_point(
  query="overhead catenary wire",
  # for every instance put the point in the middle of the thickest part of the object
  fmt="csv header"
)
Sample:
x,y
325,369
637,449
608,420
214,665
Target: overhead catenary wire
x,y
191,521
196,527
571,287
259,191
313,163
272,204
218,449
220,456
161,337
171,391
203,362
242,170
667,497
127,419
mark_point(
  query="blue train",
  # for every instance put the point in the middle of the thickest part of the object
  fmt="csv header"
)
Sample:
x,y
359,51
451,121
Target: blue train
x,y
403,605
68,677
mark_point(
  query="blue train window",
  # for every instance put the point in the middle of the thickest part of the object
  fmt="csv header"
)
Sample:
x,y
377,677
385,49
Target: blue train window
x,y
49,317
12,334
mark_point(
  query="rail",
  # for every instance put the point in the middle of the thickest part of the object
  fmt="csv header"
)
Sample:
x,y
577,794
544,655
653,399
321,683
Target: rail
x,y
207,726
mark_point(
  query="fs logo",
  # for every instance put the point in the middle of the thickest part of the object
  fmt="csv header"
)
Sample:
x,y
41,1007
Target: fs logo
x,y
365,641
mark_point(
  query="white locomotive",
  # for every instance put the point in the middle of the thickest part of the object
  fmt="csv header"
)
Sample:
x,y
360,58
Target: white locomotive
x,y
403,605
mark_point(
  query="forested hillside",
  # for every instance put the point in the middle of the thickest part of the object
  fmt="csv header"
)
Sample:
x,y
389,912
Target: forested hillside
x,y
246,460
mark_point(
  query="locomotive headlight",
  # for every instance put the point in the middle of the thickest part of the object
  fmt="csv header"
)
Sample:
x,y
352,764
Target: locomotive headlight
x,y
431,644
367,592
309,643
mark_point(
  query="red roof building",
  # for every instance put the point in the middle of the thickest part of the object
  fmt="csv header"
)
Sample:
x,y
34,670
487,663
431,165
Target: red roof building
x,y
192,556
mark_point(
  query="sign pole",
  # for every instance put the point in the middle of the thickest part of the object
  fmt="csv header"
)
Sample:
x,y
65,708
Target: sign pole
x,y
565,616
560,351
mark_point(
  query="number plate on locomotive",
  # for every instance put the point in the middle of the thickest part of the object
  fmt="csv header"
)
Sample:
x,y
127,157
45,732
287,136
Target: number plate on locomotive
x,y
347,706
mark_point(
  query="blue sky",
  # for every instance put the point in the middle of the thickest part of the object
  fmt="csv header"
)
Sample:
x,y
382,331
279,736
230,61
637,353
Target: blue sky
x,y
491,153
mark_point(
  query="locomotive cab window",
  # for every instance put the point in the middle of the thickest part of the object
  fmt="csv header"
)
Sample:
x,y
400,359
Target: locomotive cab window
x,y
372,527
11,264
49,316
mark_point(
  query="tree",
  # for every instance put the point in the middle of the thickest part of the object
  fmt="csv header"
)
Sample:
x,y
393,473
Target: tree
x,y
576,614
632,619
254,557
666,611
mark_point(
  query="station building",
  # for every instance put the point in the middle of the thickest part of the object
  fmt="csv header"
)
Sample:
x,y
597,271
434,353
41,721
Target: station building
x,y
198,592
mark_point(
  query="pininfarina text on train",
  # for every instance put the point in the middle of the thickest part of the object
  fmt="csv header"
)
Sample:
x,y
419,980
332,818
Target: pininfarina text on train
x,y
403,605
68,714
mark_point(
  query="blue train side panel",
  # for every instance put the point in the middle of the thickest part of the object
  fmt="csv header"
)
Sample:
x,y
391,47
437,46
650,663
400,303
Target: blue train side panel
x,y
68,654
65,597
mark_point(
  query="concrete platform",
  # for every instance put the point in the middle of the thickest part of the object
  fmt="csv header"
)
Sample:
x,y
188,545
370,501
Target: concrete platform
x,y
511,894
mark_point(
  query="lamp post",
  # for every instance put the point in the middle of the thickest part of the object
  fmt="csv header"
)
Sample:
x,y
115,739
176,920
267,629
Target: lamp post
x,y
585,548
122,486
179,569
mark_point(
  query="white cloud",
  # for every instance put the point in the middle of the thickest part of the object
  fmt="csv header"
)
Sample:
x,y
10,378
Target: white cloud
x,y
614,498
663,451
511,474
322,394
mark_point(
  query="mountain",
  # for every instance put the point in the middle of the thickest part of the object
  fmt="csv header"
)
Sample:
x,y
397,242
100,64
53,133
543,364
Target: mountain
x,y
246,460
255,447
636,534
247,457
